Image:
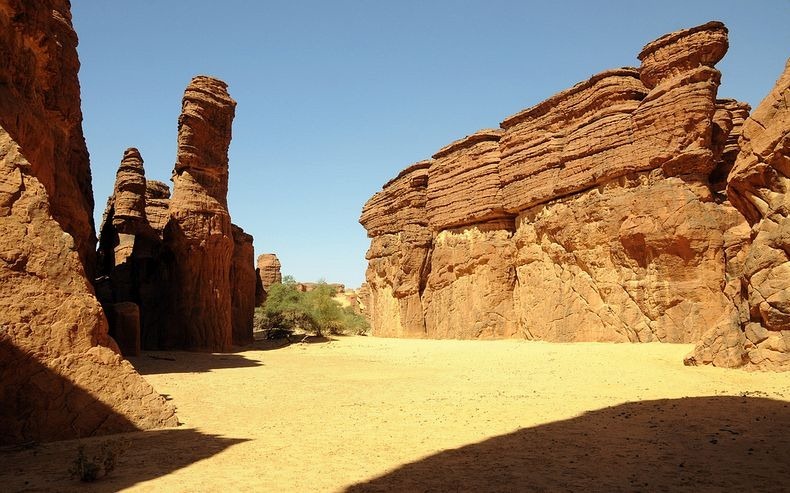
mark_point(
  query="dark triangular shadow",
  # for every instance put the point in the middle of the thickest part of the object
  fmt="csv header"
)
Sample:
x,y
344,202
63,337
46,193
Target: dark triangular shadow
x,y
691,444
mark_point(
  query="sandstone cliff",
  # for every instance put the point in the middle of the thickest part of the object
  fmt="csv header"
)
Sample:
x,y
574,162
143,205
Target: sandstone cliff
x,y
243,283
60,373
599,214
759,186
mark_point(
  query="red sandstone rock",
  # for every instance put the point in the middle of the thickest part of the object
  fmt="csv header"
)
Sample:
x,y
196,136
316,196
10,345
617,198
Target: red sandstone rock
x,y
133,265
618,236
682,51
759,186
269,270
463,182
157,205
60,373
469,290
199,231
397,223
242,281
400,202
40,109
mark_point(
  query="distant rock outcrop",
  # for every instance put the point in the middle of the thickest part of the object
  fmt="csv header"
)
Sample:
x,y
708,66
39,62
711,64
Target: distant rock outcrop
x,y
269,270
596,215
60,373
189,270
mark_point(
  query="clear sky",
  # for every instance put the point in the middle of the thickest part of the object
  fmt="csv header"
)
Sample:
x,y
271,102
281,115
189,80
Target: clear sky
x,y
335,97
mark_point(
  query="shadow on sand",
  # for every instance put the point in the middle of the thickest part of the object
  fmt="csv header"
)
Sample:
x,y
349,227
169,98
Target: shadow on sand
x,y
145,455
690,444
159,362
272,344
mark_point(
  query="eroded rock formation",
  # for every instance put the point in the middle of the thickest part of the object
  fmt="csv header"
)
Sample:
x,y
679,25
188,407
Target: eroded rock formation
x,y
759,187
243,281
268,270
599,214
199,233
60,373
189,270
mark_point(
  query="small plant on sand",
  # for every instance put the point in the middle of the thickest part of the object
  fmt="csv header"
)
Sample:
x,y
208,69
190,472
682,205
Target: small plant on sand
x,y
89,469
287,310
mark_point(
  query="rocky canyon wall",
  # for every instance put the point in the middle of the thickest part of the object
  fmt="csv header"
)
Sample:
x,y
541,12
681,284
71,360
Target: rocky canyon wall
x,y
60,373
759,264
599,214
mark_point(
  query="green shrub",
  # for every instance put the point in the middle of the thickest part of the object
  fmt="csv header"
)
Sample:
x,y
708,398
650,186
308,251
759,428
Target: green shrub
x,y
287,310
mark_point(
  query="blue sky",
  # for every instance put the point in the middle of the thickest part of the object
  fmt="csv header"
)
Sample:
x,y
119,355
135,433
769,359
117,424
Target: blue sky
x,y
335,97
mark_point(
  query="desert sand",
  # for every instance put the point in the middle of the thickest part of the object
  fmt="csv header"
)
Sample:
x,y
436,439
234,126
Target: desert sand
x,y
373,414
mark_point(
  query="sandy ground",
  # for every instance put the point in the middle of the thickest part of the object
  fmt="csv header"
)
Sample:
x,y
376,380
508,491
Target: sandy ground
x,y
369,414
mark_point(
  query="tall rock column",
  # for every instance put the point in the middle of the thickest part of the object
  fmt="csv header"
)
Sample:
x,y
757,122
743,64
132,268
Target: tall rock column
x,y
60,373
243,281
199,232
40,108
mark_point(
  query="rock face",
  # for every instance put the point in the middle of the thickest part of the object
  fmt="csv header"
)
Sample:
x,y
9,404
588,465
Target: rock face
x,y
40,108
60,373
599,214
243,282
759,187
269,270
199,230
398,255
189,270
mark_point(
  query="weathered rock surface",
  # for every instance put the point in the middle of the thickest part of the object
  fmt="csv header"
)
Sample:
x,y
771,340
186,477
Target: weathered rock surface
x,y
60,373
597,215
397,223
400,203
40,108
268,270
199,230
134,266
242,281
469,289
137,267
759,186
640,259
157,205
463,182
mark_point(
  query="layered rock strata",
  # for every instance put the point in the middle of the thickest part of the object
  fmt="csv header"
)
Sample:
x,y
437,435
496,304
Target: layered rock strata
x,y
60,373
198,232
189,270
398,255
759,187
268,270
597,215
